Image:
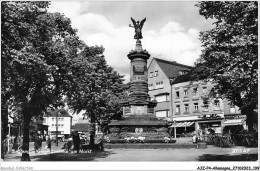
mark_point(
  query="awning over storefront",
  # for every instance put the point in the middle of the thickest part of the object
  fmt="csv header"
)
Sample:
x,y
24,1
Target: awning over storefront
x,y
233,122
182,124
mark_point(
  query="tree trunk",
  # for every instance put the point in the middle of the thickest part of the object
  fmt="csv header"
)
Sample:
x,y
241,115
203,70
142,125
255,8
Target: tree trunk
x,y
251,118
92,131
4,126
26,139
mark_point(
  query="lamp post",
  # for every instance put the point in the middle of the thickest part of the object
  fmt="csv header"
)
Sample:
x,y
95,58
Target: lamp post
x,y
171,83
57,143
8,139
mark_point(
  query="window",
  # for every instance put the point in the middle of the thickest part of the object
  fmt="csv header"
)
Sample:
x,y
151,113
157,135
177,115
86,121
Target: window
x,y
196,107
52,125
44,120
162,114
204,90
62,119
205,105
217,105
150,86
185,92
61,125
59,119
151,74
162,98
195,91
159,85
178,109
156,73
177,94
186,107
182,72
52,119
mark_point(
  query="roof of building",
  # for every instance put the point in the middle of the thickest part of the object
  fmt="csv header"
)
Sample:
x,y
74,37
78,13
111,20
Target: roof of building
x,y
182,78
61,113
81,127
171,69
195,74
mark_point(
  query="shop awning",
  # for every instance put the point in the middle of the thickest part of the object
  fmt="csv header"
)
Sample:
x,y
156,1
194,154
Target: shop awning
x,y
234,122
182,124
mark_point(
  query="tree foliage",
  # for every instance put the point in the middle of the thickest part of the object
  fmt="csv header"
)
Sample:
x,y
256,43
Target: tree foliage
x,y
44,61
229,57
97,88
37,48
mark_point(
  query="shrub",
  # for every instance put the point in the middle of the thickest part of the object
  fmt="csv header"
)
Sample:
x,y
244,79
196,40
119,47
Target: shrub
x,y
245,138
162,129
153,129
114,130
125,129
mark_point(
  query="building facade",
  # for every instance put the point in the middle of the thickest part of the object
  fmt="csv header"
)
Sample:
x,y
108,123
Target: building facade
x,y
187,105
58,120
159,74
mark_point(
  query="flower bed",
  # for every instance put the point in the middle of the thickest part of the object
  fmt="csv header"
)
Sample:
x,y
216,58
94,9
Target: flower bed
x,y
131,140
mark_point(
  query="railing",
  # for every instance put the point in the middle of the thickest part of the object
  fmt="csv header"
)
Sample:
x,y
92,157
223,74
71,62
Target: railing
x,y
230,140
217,140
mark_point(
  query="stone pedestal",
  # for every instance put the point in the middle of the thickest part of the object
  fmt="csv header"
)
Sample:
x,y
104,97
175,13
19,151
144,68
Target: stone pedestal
x,y
138,109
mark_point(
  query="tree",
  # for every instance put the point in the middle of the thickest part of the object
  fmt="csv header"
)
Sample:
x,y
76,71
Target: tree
x,y
229,57
37,48
96,89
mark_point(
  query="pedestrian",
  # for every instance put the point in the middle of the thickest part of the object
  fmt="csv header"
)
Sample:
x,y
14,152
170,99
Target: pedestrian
x,y
15,146
76,141
48,141
69,144
194,139
36,144
5,144
40,142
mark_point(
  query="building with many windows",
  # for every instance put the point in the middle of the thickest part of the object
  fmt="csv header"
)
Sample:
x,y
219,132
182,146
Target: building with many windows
x,y
59,120
160,71
186,104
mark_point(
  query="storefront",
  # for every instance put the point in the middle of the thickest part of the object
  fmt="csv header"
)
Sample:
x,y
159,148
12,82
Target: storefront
x,y
210,123
204,124
234,123
181,128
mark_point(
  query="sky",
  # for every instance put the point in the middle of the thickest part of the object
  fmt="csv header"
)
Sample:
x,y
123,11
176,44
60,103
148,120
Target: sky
x,y
171,30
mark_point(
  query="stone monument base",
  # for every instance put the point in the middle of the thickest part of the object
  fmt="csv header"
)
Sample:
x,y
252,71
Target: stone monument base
x,y
138,127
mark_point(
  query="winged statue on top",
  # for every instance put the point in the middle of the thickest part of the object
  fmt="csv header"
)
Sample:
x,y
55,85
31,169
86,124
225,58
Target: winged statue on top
x,y
138,28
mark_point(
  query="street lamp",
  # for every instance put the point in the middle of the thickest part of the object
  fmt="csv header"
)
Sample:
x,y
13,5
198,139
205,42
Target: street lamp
x,y
8,139
171,83
57,143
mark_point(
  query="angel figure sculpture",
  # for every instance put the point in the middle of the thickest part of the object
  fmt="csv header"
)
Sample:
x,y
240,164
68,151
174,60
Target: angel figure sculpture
x,y
138,28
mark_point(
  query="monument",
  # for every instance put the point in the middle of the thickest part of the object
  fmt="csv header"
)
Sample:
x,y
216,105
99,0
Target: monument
x,y
138,110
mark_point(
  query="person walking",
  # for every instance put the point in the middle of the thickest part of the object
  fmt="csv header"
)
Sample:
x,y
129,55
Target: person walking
x,y
36,144
48,141
69,144
76,141
40,143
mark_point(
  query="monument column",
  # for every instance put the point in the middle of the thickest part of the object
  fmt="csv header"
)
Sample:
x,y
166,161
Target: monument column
x,y
138,109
